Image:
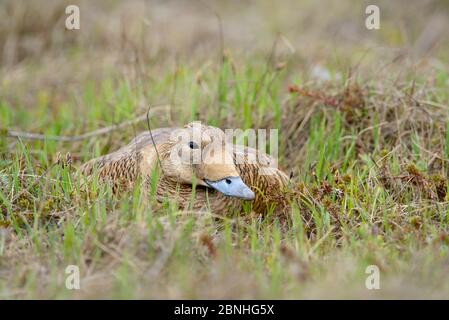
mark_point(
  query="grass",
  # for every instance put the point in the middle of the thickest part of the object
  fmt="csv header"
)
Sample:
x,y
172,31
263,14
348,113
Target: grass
x,y
368,152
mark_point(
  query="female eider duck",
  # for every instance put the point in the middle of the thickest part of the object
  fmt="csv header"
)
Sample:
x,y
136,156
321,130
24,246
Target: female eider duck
x,y
225,175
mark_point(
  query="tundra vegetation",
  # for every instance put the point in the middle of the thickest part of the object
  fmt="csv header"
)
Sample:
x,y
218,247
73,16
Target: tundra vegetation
x,y
363,130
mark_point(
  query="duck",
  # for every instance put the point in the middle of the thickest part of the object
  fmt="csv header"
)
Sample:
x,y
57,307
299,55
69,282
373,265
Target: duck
x,y
194,159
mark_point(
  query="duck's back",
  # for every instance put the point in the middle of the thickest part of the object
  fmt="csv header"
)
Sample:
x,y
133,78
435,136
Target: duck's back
x,y
122,167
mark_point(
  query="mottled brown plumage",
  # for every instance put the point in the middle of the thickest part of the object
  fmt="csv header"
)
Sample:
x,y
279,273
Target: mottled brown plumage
x,y
138,159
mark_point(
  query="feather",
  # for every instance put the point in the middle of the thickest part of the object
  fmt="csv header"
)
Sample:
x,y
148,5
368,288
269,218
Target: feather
x,y
123,167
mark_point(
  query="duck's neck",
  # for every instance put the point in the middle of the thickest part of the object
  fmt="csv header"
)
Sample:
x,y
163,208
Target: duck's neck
x,y
198,198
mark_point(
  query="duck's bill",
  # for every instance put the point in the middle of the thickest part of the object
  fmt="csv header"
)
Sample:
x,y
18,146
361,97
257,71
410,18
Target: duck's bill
x,y
232,187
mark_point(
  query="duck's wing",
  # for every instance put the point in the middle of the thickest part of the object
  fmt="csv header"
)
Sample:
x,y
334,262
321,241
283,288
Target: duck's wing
x,y
124,166
259,170
261,173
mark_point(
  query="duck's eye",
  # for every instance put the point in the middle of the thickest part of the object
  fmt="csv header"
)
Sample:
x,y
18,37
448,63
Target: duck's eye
x,y
193,145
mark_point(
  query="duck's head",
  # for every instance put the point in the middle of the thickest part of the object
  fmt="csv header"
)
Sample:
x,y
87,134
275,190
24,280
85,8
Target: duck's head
x,y
200,153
